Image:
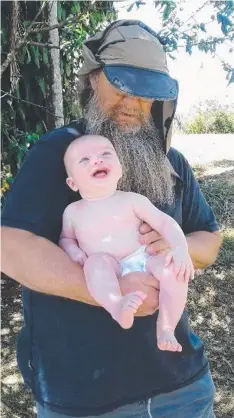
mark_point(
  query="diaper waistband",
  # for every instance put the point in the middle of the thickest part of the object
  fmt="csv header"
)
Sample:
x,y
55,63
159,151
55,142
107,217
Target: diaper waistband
x,y
135,253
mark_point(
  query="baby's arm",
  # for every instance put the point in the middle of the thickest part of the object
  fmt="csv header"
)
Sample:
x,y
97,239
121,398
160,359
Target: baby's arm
x,y
170,231
68,241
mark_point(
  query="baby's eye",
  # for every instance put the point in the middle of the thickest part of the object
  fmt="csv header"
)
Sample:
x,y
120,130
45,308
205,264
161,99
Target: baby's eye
x,y
104,154
84,160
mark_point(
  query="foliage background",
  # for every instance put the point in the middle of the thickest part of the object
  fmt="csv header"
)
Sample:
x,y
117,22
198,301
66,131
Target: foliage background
x,y
207,118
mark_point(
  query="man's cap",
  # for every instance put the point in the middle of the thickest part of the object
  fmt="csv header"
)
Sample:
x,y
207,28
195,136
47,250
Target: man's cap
x,y
132,58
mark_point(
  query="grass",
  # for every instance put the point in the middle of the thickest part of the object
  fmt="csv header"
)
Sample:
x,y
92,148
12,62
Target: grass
x,y
211,306
211,296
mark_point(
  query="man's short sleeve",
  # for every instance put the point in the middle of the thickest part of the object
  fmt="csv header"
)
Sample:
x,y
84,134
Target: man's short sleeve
x,y
39,193
197,214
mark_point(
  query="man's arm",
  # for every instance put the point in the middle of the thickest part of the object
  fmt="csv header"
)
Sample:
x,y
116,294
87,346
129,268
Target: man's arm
x,y
42,266
204,247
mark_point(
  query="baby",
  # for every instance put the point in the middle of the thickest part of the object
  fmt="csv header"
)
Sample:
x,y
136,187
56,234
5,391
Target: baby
x,y
101,233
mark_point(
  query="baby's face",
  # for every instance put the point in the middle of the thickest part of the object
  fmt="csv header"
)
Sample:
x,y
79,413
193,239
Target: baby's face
x,y
93,166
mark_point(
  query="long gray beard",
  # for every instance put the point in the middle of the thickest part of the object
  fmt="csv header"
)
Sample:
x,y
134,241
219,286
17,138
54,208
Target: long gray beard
x,y
146,169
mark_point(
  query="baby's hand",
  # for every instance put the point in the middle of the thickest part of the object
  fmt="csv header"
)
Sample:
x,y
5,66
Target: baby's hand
x,y
79,257
182,263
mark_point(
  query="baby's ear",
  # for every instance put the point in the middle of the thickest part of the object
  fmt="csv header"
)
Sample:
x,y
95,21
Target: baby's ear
x,y
71,184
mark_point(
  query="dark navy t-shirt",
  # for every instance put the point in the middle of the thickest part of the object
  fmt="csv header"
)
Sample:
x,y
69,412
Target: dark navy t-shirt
x,y
75,358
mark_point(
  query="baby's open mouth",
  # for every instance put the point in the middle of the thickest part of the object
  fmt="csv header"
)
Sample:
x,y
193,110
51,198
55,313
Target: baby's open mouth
x,y
100,173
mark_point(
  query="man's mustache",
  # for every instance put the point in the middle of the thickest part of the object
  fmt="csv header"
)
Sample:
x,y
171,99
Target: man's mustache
x,y
127,111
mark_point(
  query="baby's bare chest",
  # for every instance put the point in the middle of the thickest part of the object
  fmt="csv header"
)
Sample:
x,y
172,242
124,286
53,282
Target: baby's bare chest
x,y
99,220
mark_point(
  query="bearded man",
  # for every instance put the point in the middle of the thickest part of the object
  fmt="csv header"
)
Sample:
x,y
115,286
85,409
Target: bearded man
x,y
75,358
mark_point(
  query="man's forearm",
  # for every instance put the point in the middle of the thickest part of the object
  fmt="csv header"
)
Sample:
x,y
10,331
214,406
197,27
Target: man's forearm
x,y
203,247
42,266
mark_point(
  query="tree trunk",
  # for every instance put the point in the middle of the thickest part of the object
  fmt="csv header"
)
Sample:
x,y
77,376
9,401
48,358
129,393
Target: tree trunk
x,y
55,93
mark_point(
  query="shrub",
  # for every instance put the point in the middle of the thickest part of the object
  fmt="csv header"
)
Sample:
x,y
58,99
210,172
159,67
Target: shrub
x,y
217,121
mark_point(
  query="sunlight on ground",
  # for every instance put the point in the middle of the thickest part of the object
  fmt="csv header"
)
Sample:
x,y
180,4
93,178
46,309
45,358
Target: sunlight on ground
x,y
202,149
212,171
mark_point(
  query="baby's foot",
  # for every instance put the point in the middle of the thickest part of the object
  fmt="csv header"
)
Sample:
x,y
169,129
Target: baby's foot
x,y
127,307
167,341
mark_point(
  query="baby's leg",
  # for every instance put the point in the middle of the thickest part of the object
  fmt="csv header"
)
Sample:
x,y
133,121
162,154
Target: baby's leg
x,y
101,273
172,300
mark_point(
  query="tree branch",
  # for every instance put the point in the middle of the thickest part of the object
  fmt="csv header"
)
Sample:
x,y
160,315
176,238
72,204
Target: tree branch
x,y
194,14
57,26
12,54
31,103
47,45
218,41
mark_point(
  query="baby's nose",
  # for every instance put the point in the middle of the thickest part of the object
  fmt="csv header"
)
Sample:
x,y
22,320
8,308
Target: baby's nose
x,y
98,160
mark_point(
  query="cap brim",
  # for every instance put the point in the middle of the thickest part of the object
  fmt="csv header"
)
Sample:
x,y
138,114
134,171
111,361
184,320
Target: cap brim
x,y
150,84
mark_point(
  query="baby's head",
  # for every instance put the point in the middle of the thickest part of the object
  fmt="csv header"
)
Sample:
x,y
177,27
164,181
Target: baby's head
x,y
92,166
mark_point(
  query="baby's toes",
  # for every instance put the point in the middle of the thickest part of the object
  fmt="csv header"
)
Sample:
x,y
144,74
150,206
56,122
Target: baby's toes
x,y
162,344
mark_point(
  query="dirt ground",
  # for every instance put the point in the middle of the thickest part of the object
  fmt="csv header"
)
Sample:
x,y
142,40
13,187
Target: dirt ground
x,y
211,305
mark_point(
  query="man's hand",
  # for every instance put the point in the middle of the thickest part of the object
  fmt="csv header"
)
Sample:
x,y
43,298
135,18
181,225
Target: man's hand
x,y
203,246
147,284
154,241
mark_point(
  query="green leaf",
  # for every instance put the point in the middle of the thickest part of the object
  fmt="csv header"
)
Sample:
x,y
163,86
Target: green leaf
x,y
45,56
39,128
189,47
4,36
75,8
26,23
39,37
66,82
36,54
17,92
63,14
171,56
28,56
21,111
27,91
41,82
10,179
68,70
31,138
61,68
129,9
169,7
59,10
202,27
231,76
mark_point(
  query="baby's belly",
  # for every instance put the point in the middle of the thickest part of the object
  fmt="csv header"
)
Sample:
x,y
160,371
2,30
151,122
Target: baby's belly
x,y
119,245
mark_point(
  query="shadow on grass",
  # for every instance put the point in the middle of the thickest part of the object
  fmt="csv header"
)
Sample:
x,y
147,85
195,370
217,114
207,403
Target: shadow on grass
x,y
211,308
16,401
